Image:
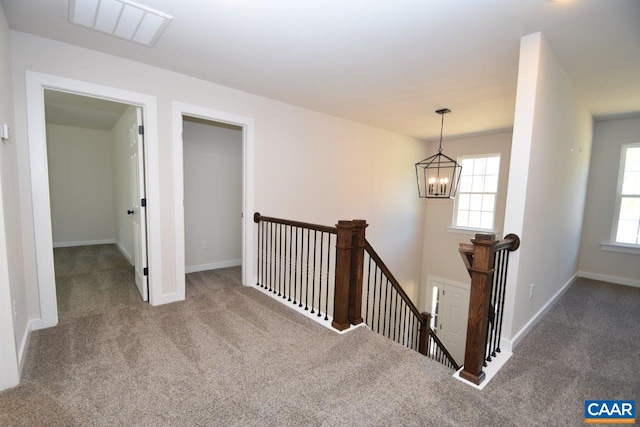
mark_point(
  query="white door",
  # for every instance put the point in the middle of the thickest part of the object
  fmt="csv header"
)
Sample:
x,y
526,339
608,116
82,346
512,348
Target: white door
x,y
453,313
136,151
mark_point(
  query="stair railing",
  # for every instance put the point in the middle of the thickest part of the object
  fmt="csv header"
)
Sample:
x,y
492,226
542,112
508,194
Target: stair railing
x,y
389,311
296,261
487,261
321,269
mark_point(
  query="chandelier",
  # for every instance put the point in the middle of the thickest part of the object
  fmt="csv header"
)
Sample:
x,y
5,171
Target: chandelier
x,y
438,176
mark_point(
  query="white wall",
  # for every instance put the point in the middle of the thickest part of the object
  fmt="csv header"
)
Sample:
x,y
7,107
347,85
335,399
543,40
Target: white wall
x,y
547,184
80,185
120,158
440,254
608,139
11,266
308,166
212,195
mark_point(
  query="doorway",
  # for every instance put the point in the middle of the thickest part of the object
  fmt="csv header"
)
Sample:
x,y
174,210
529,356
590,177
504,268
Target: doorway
x,y
240,125
212,157
450,308
96,185
36,84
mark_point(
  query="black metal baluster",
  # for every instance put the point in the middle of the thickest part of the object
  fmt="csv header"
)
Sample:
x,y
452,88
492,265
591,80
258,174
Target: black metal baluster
x,y
259,252
393,294
386,297
366,312
402,320
264,255
270,264
496,304
320,276
375,288
295,266
379,298
306,295
505,269
413,333
397,326
326,297
313,276
279,282
290,240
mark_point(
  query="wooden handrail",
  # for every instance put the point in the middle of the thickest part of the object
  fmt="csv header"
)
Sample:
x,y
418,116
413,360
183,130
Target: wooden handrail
x,y
325,228
394,282
350,248
423,318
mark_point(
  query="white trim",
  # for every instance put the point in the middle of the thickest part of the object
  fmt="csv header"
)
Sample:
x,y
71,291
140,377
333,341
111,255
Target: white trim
x,y
35,85
430,279
490,371
24,345
84,243
611,279
616,211
515,340
179,109
213,266
307,313
454,219
9,366
620,248
471,231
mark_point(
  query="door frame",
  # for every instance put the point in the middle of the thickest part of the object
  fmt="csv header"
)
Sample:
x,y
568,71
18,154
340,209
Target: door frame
x,y
36,83
180,109
9,364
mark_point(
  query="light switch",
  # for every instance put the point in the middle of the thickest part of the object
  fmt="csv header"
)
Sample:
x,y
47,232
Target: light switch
x,y
4,131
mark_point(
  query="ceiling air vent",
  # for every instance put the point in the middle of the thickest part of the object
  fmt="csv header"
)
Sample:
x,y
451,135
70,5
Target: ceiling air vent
x,y
120,18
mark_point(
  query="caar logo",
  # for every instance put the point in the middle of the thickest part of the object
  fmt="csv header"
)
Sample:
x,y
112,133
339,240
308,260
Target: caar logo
x,y
610,411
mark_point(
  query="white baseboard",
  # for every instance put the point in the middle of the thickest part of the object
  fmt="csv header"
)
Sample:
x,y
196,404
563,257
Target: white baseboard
x,y
24,345
307,313
213,266
84,243
511,344
124,253
611,279
490,371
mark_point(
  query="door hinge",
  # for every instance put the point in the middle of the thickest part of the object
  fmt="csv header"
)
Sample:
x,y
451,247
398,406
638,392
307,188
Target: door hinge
x,y
145,271
143,203
141,130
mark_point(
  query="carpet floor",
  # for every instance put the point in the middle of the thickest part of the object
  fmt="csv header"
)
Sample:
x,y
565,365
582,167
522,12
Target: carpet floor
x,y
230,355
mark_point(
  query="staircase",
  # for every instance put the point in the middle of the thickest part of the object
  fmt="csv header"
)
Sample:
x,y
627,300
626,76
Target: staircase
x,y
334,275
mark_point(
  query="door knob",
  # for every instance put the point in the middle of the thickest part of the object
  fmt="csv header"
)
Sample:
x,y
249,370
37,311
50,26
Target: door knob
x,y
129,212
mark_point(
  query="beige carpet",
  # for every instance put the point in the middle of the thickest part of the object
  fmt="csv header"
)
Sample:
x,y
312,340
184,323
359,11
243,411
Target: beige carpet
x,y
230,355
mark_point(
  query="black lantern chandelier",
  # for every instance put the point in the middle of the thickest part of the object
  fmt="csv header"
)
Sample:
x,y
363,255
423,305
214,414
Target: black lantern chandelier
x,y
438,176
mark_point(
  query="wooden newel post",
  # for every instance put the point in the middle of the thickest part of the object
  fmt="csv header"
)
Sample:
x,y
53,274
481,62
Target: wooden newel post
x,y
423,344
479,301
357,268
344,245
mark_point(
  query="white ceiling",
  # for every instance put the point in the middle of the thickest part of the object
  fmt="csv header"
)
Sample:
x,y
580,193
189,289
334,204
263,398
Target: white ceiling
x,y
80,111
390,64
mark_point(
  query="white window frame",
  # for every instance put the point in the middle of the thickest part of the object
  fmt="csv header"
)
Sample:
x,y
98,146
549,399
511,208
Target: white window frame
x,y
454,221
614,246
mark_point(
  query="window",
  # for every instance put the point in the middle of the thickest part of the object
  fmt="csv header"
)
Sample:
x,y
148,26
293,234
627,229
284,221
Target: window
x,y
476,201
627,225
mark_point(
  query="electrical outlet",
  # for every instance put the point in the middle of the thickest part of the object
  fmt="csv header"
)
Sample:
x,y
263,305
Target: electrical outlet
x,y
531,290
205,244
15,311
